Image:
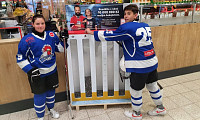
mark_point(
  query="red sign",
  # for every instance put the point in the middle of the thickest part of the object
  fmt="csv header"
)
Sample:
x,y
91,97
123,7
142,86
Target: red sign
x,y
98,1
148,53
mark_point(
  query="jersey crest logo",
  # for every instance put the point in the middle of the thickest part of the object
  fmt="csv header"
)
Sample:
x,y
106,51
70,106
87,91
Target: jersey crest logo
x,y
29,40
51,34
46,53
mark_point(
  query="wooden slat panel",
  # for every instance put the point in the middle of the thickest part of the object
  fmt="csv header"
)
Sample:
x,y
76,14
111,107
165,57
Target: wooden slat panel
x,y
14,84
176,46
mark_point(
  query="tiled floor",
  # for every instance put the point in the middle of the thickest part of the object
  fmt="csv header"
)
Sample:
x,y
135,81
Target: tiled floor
x,y
181,97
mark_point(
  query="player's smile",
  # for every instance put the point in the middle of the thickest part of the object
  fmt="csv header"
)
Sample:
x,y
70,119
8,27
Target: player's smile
x,y
39,25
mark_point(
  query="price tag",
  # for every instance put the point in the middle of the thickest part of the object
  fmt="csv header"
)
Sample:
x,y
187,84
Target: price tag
x,y
148,16
170,15
183,13
178,14
156,16
166,15
190,13
162,15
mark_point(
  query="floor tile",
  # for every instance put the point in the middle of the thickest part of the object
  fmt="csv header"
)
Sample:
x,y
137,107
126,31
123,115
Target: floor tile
x,y
21,115
117,115
169,91
192,110
46,117
191,85
147,118
100,117
111,108
179,114
61,106
94,111
192,96
180,100
146,97
170,81
197,91
197,82
148,106
169,104
162,83
5,117
165,117
180,88
197,103
192,76
81,114
180,79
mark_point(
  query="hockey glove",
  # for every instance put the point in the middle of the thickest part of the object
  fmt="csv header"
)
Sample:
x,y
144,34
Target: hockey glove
x,y
34,75
64,34
124,75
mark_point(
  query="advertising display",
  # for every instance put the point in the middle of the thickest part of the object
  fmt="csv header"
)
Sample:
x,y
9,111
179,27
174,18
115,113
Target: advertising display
x,y
94,16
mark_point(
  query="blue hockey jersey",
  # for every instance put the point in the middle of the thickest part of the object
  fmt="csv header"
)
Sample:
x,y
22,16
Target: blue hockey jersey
x,y
34,51
137,43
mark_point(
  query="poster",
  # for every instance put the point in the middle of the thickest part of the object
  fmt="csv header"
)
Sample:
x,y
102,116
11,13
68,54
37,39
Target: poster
x,y
107,16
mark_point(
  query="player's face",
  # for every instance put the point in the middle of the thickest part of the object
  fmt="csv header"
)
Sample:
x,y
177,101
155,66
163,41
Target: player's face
x,y
129,16
87,13
39,25
77,10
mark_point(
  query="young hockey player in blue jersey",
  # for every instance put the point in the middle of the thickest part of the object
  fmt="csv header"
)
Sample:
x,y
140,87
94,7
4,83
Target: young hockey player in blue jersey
x,y
140,60
36,56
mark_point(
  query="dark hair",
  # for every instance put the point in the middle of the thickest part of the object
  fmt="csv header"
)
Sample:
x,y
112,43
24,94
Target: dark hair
x,y
37,16
89,10
132,7
76,6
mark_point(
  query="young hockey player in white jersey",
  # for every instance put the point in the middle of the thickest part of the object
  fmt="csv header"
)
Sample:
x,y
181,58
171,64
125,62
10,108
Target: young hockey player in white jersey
x,y
36,57
140,60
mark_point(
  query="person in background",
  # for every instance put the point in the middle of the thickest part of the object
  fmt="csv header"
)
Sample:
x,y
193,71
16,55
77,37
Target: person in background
x,y
36,57
77,20
90,21
140,60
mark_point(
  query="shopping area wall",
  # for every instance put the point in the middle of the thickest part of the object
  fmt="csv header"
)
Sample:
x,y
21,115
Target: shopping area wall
x,y
176,47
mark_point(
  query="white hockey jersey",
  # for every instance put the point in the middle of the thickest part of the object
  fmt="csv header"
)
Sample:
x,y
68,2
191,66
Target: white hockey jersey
x,y
34,51
137,43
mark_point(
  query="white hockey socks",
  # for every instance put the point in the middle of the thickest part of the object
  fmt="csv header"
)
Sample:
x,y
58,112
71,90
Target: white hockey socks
x,y
136,99
155,93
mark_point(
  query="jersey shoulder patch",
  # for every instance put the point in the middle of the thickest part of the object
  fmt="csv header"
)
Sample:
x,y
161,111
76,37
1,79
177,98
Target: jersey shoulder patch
x,y
51,34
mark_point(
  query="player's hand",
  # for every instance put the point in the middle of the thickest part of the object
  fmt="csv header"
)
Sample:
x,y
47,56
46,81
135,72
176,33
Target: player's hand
x,y
79,26
87,30
84,21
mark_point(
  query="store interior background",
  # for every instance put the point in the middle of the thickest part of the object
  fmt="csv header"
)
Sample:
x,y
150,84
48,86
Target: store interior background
x,y
18,13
